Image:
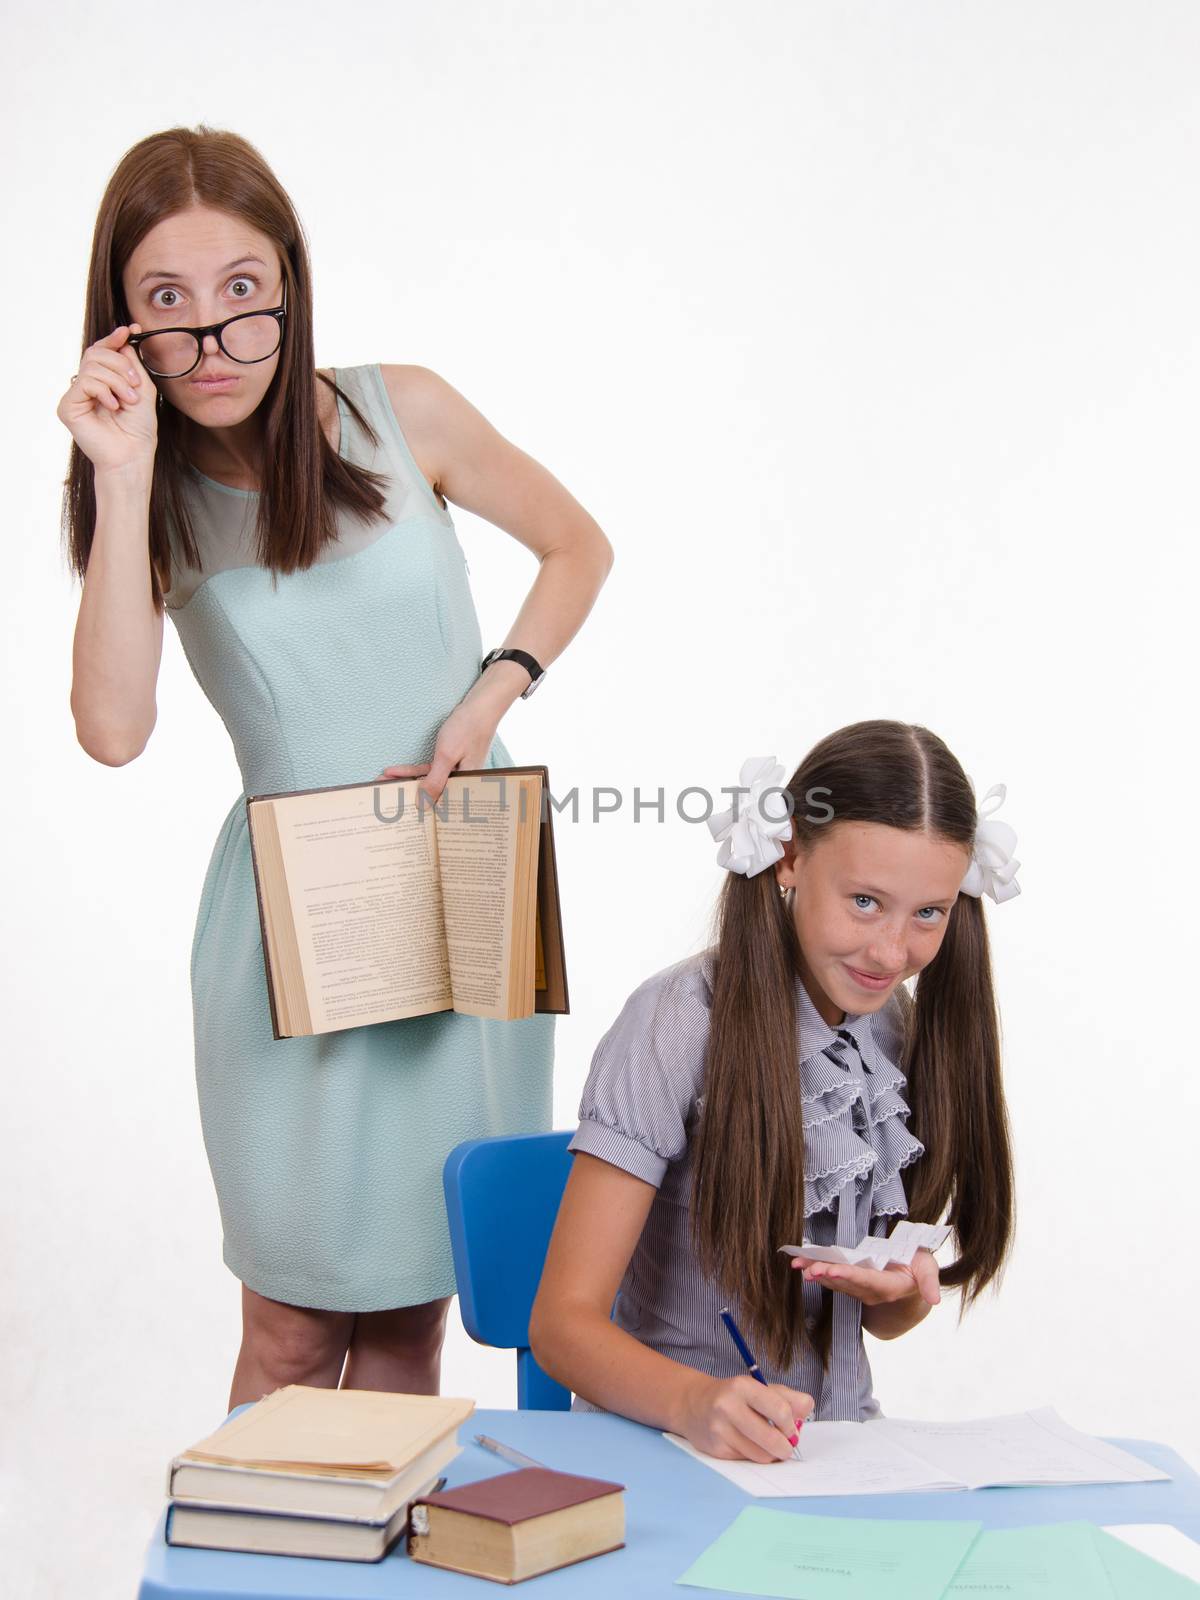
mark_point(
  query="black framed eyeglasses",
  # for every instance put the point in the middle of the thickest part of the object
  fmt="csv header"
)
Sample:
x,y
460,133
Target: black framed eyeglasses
x,y
247,337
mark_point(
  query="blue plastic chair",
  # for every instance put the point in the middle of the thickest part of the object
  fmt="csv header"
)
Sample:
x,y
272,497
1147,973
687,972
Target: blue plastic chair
x,y
502,1197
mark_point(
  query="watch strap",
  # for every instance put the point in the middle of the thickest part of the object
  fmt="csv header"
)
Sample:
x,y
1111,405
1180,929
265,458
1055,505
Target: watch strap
x,y
523,659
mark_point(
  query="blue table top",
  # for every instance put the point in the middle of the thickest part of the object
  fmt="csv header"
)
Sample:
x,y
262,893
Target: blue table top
x,y
675,1507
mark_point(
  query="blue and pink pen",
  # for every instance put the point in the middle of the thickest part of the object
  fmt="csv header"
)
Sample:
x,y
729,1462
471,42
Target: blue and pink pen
x,y
752,1367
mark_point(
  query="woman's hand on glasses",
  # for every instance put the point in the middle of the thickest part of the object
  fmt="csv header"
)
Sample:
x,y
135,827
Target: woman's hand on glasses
x,y
110,408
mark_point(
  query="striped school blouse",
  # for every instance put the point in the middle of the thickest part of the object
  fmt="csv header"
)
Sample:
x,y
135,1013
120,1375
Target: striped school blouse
x,y
639,1109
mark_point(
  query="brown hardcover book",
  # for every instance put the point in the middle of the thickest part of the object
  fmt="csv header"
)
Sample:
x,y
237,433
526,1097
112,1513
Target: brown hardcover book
x,y
518,1524
377,904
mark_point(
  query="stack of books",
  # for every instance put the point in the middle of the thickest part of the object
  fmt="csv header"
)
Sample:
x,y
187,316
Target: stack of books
x,y
314,1472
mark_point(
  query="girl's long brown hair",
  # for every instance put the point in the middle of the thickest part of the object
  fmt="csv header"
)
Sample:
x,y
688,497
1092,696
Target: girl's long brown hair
x,y
303,479
748,1176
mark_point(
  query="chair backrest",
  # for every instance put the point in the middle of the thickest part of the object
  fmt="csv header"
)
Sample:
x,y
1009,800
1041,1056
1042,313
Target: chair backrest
x,y
502,1197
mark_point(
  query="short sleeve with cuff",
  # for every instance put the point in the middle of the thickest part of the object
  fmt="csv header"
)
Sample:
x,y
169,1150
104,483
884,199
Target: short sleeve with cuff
x,y
646,1072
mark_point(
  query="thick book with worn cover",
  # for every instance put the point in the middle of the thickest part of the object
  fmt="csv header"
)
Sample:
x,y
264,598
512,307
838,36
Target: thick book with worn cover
x,y
343,1538
284,1490
517,1524
314,1433
377,904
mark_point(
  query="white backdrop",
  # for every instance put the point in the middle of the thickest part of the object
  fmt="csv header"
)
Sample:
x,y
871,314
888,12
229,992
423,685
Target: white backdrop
x,y
868,333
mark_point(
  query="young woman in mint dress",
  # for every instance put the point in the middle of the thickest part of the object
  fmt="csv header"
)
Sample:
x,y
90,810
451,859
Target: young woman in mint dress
x,y
295,525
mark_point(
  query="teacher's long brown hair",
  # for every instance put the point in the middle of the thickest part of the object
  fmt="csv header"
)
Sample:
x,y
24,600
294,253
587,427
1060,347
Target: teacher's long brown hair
x,y
304,479
748,1185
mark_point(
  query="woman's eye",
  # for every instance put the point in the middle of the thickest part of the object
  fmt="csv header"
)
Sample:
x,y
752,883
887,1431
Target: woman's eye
x,y
242,288
933,913
869,898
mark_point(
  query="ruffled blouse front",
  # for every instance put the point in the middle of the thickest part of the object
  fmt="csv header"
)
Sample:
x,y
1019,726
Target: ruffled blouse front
x,y
640,1108
856,1145
855,1140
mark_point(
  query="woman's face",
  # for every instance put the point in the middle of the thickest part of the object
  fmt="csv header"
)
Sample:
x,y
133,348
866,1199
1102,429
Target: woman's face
x,y
197,267
871,907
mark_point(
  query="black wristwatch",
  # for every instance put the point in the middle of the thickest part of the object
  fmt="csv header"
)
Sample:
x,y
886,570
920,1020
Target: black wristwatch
x,y
523,659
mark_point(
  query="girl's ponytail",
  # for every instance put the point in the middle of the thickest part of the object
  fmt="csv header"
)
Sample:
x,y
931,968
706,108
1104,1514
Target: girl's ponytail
x,y
957,1101
748,1173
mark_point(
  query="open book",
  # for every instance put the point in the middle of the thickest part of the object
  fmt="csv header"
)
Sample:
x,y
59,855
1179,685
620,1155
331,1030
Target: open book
x,y
377,904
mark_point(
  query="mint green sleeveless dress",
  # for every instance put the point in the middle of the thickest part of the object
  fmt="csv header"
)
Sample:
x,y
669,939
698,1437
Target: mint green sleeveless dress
x,y
327,1151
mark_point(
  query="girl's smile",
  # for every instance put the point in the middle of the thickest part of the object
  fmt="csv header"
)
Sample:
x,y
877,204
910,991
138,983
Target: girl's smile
x,y
868,981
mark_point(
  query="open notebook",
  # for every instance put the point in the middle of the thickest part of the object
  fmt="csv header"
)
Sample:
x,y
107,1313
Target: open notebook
x,y
1034,1448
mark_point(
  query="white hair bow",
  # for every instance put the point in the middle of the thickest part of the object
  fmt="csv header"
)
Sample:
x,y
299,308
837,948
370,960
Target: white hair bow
x,y
750,831
993,868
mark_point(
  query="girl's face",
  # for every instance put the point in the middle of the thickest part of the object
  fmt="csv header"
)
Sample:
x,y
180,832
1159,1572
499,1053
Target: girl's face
x,y
871,907
198,267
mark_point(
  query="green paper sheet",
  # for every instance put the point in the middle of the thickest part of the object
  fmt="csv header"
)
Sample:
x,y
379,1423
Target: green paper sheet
x,y
1135,1576
787,1554
1058,1561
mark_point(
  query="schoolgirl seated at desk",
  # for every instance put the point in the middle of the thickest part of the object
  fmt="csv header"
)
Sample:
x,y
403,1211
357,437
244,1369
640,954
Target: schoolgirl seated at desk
x,y
784,1087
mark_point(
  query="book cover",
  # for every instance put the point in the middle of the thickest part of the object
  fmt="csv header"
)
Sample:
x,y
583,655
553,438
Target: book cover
x,y
512,1497
362,1433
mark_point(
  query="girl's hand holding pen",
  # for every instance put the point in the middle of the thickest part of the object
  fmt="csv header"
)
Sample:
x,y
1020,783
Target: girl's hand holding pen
x,y
756,1374
109,407
740,1419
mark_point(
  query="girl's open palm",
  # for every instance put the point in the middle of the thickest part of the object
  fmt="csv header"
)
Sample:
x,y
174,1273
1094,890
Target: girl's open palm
x,y
109,407
876,1286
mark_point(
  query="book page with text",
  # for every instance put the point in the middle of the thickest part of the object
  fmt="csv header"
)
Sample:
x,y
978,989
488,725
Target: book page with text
x,y
367,903
477,843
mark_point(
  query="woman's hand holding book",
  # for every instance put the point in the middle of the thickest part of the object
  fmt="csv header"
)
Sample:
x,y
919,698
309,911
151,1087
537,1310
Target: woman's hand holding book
x,y
463,742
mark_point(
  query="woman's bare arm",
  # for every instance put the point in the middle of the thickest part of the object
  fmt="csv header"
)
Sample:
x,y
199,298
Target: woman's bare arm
x,y
110,410
118,633
476,467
